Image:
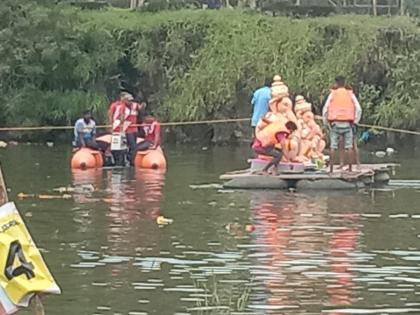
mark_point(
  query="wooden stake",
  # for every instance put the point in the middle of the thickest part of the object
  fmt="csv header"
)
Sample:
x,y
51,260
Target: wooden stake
x,y
3,190
39,308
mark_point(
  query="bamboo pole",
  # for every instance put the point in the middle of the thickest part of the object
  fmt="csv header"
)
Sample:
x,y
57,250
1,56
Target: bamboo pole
x,y
374,7
3,190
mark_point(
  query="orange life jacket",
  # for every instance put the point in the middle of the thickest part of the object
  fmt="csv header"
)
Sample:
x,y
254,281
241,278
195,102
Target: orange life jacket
x,y
341,107
267,136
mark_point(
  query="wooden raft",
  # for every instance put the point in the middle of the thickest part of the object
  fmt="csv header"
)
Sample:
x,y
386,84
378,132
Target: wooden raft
x,y
368,175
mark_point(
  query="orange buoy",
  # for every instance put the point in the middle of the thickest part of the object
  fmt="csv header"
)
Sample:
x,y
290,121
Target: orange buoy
x,y
151,159
86,158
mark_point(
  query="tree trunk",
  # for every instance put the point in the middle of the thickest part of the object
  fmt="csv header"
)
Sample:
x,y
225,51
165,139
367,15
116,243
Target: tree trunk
x,y
402,7
374,8
140,3
133,4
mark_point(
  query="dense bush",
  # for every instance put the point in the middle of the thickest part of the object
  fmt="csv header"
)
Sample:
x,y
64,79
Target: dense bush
x,y
198,64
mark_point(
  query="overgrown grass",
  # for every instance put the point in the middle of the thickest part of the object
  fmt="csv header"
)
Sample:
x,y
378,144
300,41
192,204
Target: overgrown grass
x,y
199,64
237,50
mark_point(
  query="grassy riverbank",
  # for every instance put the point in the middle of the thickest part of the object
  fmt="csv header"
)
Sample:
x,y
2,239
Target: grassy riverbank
x,y
199,64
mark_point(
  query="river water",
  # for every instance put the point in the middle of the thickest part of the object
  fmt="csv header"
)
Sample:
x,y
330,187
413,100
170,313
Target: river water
x,y
226,252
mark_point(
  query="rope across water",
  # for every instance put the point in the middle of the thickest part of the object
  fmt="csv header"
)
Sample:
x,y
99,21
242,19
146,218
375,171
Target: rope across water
x,y
199,122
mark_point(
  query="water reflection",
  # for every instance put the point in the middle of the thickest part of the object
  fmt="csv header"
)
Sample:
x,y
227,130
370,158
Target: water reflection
x,y
302,255
132,198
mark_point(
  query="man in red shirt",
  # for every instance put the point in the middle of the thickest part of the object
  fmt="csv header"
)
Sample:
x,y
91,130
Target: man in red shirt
x,y
125,120
114,105
152,137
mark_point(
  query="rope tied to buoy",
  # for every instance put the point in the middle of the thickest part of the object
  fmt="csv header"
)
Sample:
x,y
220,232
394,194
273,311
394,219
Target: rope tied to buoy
x,y
195,122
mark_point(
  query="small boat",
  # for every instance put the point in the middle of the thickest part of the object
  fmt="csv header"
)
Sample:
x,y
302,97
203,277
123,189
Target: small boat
x,y
85,158
308,178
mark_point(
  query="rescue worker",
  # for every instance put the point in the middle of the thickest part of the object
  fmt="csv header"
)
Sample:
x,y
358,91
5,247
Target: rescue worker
x,y
152,137
113,106
125,120
340,113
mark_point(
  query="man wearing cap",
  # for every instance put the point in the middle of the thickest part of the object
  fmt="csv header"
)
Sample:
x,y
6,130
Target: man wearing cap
x,y
113,107
125,120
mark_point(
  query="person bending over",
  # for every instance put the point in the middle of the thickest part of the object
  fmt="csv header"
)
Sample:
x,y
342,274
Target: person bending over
x,y
275,150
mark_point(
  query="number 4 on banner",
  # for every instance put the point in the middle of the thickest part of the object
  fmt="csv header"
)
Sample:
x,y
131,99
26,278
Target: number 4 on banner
x,y
15,251
26,268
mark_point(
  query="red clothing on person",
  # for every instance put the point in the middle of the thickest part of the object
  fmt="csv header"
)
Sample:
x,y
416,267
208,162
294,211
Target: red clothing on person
x,y
129,114
257,145
113,107
151,131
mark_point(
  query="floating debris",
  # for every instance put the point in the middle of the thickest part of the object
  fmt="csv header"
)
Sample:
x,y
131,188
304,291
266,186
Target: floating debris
x,y
22,195
161,220
64,189
380,154
207,186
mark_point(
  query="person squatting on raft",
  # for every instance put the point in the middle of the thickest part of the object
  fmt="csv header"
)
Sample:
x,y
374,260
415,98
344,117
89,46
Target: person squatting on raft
x,y
341,111
85,133
125,120
274,144
259,102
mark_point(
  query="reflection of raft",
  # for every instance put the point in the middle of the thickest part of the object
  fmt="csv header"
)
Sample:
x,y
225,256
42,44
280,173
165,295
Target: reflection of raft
x,y
370,175
87,158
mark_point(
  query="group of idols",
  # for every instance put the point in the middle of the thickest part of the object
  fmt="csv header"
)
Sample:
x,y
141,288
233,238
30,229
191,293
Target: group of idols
x,y
287,133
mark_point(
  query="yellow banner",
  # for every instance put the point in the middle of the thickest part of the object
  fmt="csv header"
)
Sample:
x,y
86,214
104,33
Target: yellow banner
x,y
22,269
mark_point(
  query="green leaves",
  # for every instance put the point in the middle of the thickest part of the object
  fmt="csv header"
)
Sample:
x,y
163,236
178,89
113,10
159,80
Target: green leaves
x,y
55,61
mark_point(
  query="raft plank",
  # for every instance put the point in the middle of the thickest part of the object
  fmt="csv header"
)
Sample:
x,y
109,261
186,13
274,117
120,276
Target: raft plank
x,y
365,170
309,176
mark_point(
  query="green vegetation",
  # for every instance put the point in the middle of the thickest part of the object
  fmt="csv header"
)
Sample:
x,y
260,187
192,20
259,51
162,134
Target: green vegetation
x,y
198,64
219,298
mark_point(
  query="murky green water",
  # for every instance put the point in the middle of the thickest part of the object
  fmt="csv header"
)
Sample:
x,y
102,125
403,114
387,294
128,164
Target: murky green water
x,y
256,252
